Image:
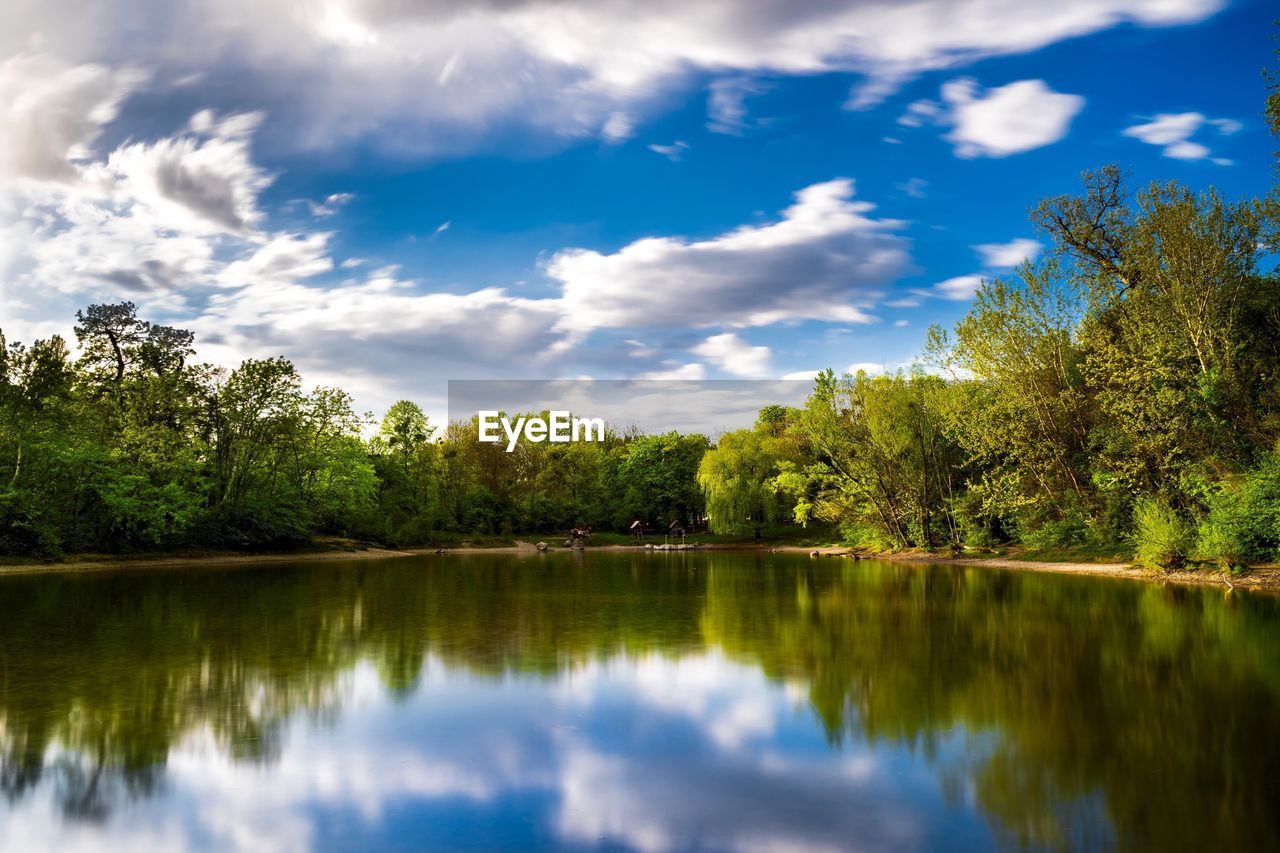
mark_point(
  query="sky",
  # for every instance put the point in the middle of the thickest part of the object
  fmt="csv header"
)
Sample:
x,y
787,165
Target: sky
x,y
394,194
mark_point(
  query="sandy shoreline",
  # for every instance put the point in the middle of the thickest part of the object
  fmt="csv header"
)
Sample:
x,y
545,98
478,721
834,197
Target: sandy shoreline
x,y
1262,578
141,562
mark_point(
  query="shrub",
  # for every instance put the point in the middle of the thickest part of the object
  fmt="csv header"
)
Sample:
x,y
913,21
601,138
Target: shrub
x,y
1162,538
1070,531
867,537
1221,535
23,532
1243,524
978,527
1218,541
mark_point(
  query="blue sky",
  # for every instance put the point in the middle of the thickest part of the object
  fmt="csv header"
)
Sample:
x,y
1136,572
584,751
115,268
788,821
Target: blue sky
x,y
396,194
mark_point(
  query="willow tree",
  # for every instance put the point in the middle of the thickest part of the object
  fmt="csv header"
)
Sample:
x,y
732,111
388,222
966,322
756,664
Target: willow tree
x,y
738,477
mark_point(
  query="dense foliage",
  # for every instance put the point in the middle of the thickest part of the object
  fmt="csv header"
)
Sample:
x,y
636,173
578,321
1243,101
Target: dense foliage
x,y
132,447
1127,386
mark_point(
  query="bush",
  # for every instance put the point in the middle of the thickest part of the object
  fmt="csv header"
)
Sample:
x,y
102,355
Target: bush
x,y
1243,524
1162,538
1218,540
23,532
978,527
1070,531
866,537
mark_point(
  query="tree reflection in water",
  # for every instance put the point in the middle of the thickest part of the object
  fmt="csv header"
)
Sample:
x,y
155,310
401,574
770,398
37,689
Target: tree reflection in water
x,y
1096,713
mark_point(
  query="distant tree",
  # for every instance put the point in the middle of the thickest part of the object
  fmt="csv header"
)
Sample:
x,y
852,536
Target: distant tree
x,y
659,475
110,338
739,474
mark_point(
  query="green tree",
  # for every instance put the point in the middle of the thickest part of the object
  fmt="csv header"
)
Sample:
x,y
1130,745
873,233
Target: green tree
x,y
739,474
659,478
884,469
1019,408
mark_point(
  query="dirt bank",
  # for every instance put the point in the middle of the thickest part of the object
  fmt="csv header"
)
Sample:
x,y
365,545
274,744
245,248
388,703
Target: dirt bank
x,y
90,563
1261,578
1266,578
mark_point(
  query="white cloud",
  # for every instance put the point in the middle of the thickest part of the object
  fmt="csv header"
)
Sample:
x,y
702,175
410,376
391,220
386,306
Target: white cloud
x,y
871,368
382,333
1006,120
677,371
618,127
802,374
726,104
1173,132
1008,255
1187,151
920,113
331,205
52,112
284,259
148,219
201,181
914,187
672,152
355,69
825,259
1166,129
734,356
959,288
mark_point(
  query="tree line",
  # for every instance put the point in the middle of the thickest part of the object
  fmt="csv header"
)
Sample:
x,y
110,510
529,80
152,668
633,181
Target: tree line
x,y
133,446
1121,394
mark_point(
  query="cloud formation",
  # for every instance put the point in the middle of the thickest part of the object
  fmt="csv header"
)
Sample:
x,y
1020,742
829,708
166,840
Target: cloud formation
x,y
1006,120
826,258
726,104
176,224
1173,132
735,356
334,71
1008,255
52,112
958,288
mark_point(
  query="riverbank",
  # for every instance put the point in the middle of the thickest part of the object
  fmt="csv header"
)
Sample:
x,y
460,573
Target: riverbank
x,y
99,562
1259,578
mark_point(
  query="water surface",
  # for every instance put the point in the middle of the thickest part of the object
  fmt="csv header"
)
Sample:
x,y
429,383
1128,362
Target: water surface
x,y
634,701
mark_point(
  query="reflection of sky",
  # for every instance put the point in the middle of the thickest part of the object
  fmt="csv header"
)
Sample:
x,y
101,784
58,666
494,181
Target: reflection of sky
x,y
650,753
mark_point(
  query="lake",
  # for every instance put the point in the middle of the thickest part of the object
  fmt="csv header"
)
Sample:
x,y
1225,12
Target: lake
x,y
617,700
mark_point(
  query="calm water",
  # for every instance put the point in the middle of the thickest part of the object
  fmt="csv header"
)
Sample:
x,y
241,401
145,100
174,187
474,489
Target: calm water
x,y
652,702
